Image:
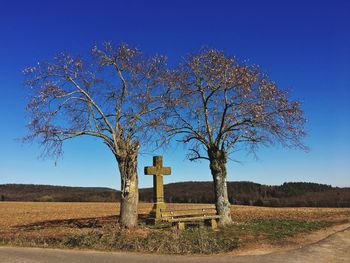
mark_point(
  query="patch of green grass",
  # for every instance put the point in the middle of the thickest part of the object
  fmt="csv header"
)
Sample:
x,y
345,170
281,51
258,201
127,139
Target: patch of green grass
x,y
277,229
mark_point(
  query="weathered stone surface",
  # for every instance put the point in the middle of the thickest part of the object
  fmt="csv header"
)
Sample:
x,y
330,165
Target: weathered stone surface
x,y
158,171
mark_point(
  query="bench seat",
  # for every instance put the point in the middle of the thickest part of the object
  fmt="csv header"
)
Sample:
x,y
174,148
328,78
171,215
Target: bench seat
x,y
180,217
193,218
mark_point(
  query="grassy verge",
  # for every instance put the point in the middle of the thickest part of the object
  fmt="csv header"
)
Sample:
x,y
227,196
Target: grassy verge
x,y
104,236
192,241
277,229
273,230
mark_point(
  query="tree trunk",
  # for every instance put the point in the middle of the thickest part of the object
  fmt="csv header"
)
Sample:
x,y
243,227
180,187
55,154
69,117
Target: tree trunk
x,y
129,189
218,161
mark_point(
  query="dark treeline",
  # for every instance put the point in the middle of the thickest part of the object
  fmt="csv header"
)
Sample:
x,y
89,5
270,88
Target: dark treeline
x,y
248,193
50,193
242,193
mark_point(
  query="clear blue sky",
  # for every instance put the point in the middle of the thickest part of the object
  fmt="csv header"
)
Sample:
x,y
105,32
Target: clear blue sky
x,y
303,46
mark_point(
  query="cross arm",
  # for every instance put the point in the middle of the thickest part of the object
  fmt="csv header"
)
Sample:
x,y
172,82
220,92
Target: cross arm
x,y
166,171
151,170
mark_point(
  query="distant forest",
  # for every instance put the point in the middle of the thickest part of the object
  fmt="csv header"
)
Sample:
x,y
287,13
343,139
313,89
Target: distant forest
x,y
242,193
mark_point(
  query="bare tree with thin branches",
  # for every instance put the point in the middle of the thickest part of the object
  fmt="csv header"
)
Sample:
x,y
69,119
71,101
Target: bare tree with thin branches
x,y
114,95
217,104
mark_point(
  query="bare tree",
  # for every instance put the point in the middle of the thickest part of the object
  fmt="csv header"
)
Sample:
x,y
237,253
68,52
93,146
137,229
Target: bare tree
x,y
113,95
217,104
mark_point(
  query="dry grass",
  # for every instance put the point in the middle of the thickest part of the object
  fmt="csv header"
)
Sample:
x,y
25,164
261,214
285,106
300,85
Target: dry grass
x,y
83,224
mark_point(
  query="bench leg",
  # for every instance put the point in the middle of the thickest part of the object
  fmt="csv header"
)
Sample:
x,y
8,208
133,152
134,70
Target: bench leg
x,y
214,224
181,226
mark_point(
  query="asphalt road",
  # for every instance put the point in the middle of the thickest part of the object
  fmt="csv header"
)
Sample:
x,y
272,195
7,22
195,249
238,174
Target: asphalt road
x,y
335,248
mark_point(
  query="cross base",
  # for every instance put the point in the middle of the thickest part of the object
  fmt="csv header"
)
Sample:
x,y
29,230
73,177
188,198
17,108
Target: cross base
x,y
155,215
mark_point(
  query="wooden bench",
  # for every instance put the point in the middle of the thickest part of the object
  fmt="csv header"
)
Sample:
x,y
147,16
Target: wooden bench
x,y
183,216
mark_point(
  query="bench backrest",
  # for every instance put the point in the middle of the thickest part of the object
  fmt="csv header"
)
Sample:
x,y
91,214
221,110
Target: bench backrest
x,y
171,213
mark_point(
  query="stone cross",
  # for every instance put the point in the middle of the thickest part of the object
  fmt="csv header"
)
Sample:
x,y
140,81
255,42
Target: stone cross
x,y
157,170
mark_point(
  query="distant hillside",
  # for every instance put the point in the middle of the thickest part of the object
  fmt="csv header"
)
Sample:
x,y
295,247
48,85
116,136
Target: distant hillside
x,y
48,193
246,193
